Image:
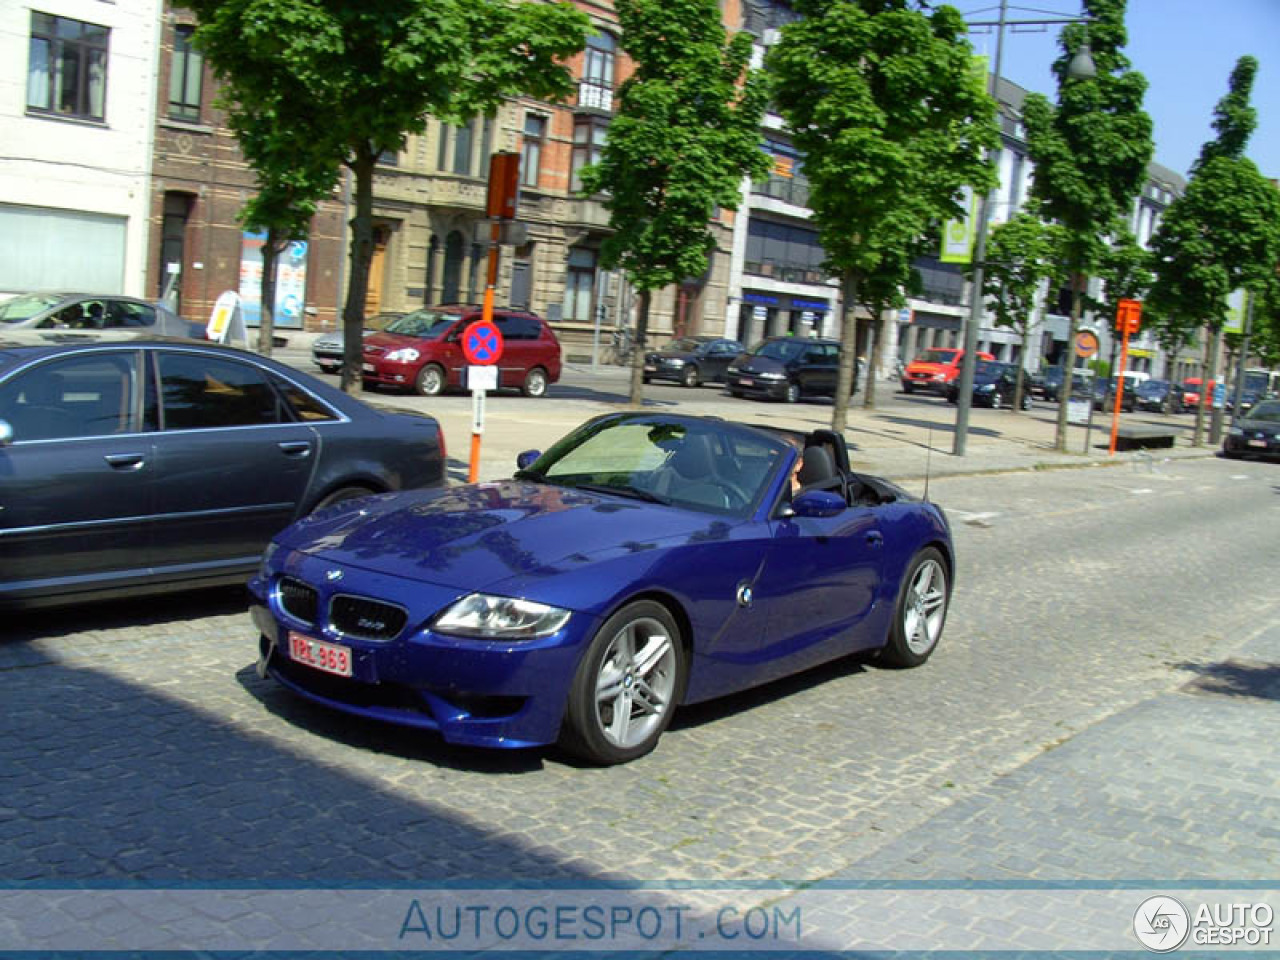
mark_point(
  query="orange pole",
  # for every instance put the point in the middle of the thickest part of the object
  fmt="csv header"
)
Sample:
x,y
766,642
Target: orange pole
x,y
1124,362
486,315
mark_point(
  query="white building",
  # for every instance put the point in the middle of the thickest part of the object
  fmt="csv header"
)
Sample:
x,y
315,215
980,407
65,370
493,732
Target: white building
x,y
77,116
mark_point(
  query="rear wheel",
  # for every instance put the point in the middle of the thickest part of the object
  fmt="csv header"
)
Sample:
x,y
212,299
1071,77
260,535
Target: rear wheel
x,y
626,686
535,383
1026,401
430,381
921,611
996,401
341,494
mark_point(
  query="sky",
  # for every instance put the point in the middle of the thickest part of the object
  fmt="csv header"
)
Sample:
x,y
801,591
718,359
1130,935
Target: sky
x,y
1185,48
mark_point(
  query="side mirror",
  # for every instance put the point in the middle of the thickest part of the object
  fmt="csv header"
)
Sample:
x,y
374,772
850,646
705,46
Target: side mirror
x,y
818,503
6,433
525,459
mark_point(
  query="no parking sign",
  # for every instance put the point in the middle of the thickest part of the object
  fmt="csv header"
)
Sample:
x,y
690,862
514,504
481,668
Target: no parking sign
x,y
482,343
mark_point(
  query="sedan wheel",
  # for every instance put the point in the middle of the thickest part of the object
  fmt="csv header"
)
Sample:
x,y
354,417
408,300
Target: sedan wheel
x,y
921,611
626,686
996,401
690,376
430,382
535,383
793,392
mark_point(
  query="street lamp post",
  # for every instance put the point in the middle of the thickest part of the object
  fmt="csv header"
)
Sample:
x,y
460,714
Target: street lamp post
x,y
1081,67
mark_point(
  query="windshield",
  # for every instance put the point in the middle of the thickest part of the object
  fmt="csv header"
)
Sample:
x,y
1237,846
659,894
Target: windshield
x,y
698,466
783,350
1269,411
17,309
423,323
684,345
988,368
1153,388
937,356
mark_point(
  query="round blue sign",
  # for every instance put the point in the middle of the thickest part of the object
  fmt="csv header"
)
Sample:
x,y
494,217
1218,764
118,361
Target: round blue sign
x,y
482,343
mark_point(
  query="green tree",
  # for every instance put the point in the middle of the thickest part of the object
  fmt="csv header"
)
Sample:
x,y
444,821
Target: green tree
x,y
1223,234
1090,152
686,131
1125,271
1022,254
362,76
893,120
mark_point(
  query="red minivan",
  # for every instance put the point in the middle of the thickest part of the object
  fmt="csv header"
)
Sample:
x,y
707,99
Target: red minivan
x,y
422,351
934,369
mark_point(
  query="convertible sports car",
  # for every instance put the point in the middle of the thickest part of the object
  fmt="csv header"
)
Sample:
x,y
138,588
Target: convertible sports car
x,y
644,561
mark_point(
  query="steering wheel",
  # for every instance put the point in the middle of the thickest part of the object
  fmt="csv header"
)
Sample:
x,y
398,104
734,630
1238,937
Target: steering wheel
x,y
735,499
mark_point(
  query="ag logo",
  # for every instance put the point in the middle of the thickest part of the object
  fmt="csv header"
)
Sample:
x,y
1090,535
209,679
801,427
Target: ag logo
x,y
1161,924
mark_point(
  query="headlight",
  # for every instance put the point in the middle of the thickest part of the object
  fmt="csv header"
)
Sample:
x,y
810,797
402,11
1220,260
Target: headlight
x,y
403,355
264,565
500,618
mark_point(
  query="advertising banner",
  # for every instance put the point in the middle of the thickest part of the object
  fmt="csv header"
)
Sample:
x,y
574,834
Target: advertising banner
x,y
291,281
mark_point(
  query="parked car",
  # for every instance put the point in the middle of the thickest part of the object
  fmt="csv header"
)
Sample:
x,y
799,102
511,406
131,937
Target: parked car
x,y
422,351
1159,396
933,370
1104,395
1051,384
327,349
88,316
1255,435
1192,391
143,466
994,385
692,360
786,368
645,561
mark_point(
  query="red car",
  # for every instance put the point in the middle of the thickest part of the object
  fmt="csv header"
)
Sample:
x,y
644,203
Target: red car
x,y
934,370
422,351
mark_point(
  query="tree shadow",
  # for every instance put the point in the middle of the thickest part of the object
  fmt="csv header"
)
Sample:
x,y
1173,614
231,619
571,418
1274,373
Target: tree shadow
x,y
1234,678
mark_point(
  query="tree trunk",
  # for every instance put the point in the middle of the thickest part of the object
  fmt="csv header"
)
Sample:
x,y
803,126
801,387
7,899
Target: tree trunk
x,y
873,360
271,248
1068,361
1197,438
1019,383
845,380
1215,412
358,285
638,348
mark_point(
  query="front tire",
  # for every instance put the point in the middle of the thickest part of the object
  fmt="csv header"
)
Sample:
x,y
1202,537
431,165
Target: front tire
x,y
996,402
430,381
793,392
626,686
690,376
535,383
921,611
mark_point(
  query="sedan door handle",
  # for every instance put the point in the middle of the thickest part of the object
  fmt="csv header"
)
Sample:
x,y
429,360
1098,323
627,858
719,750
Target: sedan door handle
x,y
125,461
295,448
875,539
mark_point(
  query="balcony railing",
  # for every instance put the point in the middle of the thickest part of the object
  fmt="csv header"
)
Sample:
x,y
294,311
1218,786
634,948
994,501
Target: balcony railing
x,y
789,273
595,96
793,190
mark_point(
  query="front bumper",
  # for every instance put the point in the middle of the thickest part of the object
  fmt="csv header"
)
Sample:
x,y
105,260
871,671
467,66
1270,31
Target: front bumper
x,y
753,386
388,374
1251,445
484,693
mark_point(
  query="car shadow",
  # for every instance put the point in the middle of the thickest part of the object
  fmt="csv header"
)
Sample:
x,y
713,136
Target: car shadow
x,y
141,613
1234,678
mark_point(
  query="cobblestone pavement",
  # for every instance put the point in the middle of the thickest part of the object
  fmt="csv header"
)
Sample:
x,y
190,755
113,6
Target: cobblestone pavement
x,y
1103,706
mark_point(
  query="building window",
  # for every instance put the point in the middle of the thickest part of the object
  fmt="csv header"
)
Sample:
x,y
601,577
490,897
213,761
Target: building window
x,y
596,88
462,150
453,253
67,70
579,282
535,130
186,77
588,142
173,233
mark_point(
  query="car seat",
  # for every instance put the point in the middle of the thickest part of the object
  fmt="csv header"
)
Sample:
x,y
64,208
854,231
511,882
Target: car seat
x,y
694,467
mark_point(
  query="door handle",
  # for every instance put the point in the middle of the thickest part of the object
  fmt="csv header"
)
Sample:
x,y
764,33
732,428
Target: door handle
x,y
125,461
295,448
875,539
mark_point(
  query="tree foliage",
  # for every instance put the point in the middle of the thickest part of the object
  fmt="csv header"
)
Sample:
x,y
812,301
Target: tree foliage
x,y
1223,233
1090,151
686,131
1022,254
346,82
893,121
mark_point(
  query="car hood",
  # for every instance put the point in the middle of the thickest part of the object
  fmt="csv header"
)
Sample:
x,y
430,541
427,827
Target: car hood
x,y
477,536
756,364
393,341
